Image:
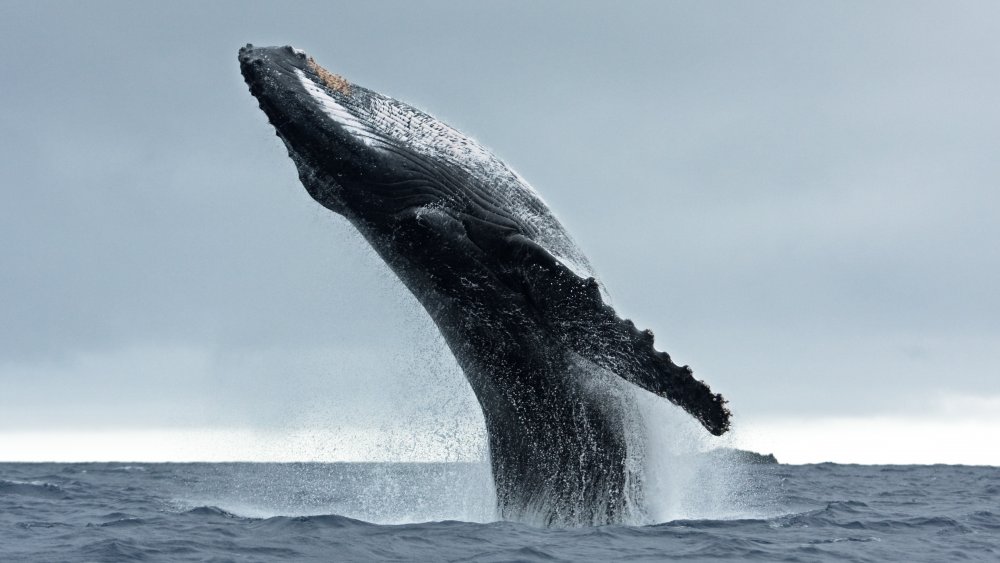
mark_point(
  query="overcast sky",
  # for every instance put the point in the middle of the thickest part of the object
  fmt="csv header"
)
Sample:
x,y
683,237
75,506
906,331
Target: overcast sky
x,y
800,199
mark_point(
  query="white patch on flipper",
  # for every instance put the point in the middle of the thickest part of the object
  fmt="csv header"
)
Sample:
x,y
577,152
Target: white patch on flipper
x,y
335,111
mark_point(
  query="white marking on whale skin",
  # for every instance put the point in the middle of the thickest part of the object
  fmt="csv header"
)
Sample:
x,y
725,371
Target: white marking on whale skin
x,y
335,111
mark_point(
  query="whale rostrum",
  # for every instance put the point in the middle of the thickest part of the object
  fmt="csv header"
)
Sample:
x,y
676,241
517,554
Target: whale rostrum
x,y
518,304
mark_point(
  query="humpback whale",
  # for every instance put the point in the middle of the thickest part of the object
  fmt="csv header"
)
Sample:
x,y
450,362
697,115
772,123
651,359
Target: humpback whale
x,y
551,363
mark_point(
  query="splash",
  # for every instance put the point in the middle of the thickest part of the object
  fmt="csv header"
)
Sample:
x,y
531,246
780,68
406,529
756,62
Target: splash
x,y
689,475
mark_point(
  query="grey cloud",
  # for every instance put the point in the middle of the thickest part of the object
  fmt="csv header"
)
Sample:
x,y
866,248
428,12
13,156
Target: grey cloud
x,y
799,199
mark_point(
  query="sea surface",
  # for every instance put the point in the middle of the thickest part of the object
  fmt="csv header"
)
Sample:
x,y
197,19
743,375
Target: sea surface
x,y
443,512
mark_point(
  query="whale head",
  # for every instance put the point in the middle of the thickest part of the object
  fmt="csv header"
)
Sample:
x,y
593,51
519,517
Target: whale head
x,y
315,113
354,147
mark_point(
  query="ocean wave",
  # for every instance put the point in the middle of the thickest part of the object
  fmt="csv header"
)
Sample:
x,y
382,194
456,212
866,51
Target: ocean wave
x,y
212,511
127,468
114,550
126,522
985,519
29,524
32,488
253,512
318,521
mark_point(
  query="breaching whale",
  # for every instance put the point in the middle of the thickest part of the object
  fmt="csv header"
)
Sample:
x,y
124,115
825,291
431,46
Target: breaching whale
x,y
514,298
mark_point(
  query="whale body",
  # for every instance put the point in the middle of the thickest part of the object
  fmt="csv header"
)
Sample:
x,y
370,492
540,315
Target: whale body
x,y
550,362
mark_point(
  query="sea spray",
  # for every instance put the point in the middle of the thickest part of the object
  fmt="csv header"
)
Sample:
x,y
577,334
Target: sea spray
x,y
683,478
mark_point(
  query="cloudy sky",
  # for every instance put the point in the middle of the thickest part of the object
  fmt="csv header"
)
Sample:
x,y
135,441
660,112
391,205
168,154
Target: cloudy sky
x,y
800,199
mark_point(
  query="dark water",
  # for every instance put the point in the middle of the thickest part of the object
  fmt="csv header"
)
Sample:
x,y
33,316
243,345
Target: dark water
x,y
267,512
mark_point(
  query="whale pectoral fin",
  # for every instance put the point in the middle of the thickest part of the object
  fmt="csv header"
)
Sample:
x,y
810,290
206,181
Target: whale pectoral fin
x,y
629,352
578,316
571,309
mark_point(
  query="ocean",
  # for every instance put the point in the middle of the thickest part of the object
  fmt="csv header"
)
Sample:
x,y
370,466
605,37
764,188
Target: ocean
x,y
715,511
